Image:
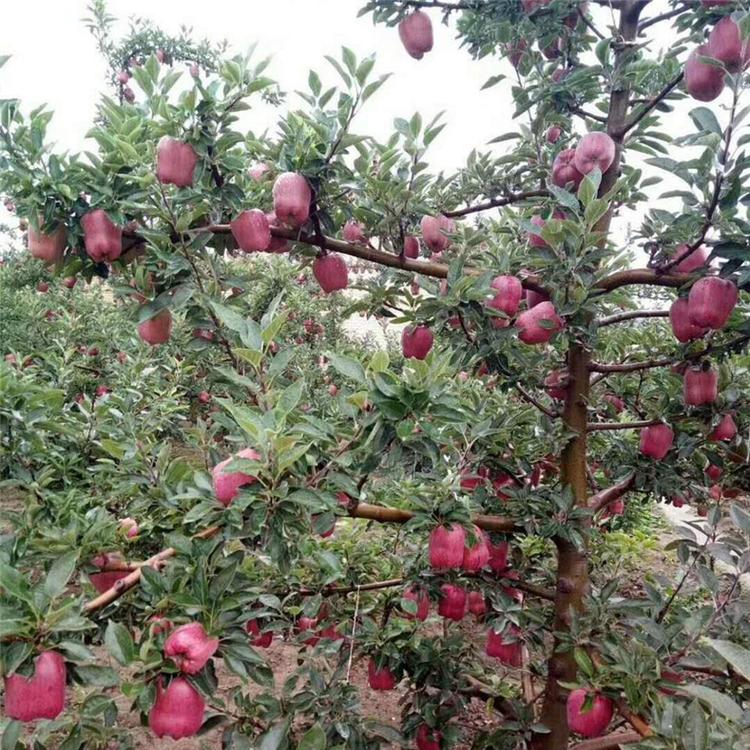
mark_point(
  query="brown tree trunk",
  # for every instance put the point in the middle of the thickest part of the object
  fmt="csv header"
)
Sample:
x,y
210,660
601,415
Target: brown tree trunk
x,y
572,564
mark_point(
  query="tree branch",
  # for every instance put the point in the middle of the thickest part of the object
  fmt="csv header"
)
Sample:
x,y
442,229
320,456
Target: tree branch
x,y
397,515
599,426
610,494
652,102
663,17
496,202
631,366
535,402
631,315
647,276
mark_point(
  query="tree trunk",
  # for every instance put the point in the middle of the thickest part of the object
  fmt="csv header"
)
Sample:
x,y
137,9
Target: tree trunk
x,y
572,564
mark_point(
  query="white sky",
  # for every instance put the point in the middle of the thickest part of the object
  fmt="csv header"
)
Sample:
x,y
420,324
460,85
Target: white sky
x,y
54,60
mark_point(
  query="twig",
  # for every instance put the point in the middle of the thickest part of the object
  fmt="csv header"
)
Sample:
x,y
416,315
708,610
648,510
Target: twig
x,y
663,17
652,102
599,426
535,402
630,315
506,200
609,741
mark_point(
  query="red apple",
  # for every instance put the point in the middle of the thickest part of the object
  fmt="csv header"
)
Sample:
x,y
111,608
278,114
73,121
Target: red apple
x,y
291,199
422,601
156,330
446,547
227,484
683,328
594,151
726,430
556,384
190,647
690,261
727,46
380,677
129,527
476,603
478,554
123,77
553,134
175,162
435,231
415,32
204,397
703,82
48,247
452,604
102,238
177,711
353,232
411,247
711,301
508,652
331,272
42,287
593,722
41,696
498,561
564,170
70,281
416,342
700,386
656,440
260,639
539,325
251,231
258,171
615,402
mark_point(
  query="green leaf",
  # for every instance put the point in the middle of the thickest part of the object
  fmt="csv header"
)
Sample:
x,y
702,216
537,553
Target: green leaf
x,y
740,516
737,656
60,573
694,729
348,367
718,701
12,733
231,319
379,361
290,398
275,737
705,120
119,642
314,739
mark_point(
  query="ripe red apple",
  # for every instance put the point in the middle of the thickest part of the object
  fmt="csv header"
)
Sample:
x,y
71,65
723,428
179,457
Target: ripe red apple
x,y
380,677
156,330
41,696
260,639
478,554
291,199
703,82
331,272
122,358
711,301
416,342
690,262
539,325
177,711
727,46
615,402
160,625
129,527
128,94
47,247
204,397
508,294
452,604
411,247
102,238
713,472
102,390
536,240
194,70
682,327
700,386
564,169
593,722
227,484
498,561
415,32
42,287
535,298
190,647
595,150
553,134
123,77
175,162
556,384
476,603
353,232
715,492
251,231
678,501
69,282
161,56
104,581
507,652
446,547
656,440
258,171
434,232
725,431
516,51
421,599
203,333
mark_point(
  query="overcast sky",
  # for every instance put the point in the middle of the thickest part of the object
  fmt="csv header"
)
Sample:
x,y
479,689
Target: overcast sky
x,y
54,60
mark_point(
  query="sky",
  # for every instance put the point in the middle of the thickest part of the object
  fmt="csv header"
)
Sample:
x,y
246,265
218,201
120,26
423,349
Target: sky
x,y
55,61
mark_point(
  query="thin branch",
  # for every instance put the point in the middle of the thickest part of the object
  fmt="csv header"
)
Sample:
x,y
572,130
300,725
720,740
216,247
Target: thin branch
x,y
397,515
599,426
506,200
663,17
588,115
535,402
652,102
337,590
631,366
587,21
640,725
610,494
631,315
647,276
